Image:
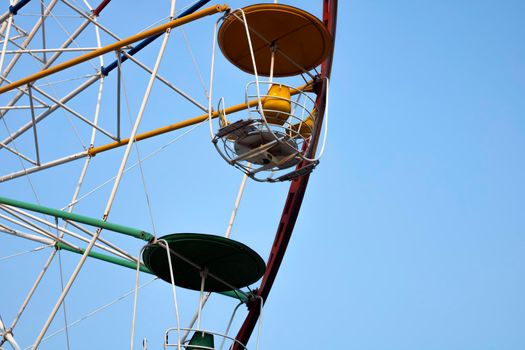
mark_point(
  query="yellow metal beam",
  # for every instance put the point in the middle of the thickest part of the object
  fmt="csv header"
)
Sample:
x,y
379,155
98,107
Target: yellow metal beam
x,y
116,45
192,121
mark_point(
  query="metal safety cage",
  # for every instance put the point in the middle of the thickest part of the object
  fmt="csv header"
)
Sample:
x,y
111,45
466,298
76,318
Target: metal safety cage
x,y
275,135
271,144
201,340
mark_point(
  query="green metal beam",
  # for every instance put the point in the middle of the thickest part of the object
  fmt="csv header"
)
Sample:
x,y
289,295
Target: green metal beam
x,y
133,232
104,257
236,295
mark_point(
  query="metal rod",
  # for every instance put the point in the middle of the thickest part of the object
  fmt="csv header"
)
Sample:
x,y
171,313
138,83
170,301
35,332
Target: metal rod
x,y
2,28
26,223
2,108
152,133
91,20
293,201
71,49
104,257
23,91
52,255
14,151
236,205
64,45
74,113
167,83
7,335
92,80
34,124
33,289
233,294
133,232
106,70
21,31
179,125
77,190
100,7
204,274
111,248
13,38
288,58
30,226
117,45
26,42
47,165
119,78
68,97
53,108
43,31
272,63
3,17
15,7
4,47
29,236
110,200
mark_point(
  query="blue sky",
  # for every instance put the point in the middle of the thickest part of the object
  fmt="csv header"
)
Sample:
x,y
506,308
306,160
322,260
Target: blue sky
x,y
411,234
425,235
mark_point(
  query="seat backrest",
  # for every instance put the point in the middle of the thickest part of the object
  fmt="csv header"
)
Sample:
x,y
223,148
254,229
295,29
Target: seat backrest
x,y
201,340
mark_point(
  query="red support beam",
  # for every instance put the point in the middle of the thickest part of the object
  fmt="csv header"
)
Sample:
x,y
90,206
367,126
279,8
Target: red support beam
x,y
295,196
100,7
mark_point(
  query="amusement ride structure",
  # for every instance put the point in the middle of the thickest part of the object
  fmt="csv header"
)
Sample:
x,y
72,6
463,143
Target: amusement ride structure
x,y
70,78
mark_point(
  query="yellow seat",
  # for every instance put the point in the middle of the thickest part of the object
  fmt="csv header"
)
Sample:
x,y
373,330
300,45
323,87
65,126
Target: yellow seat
x,y
305,127
277,105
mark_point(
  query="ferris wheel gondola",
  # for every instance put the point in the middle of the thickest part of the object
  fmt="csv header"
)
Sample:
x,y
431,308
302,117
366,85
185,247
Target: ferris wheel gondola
x,y
273,40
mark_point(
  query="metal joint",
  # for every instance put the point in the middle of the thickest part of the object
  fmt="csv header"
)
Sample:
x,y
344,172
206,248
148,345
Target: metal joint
x,y
13,10
317,84
253,301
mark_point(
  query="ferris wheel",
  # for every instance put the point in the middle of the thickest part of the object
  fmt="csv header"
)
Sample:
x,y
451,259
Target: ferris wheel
x,y
123,123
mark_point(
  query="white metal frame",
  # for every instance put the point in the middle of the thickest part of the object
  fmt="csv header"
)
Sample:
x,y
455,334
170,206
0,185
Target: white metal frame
x,y
44,103
34,224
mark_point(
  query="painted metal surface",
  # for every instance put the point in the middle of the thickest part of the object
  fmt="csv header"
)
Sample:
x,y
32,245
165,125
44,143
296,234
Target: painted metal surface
x,y
198,256
78,218
298,39
115,46
294,199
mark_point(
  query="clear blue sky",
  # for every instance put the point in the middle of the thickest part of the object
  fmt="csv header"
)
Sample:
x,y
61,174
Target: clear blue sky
x,y
412,232
422,247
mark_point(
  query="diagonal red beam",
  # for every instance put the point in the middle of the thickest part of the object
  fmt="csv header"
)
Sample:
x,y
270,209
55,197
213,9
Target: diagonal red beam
x,y
294,199
100,7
